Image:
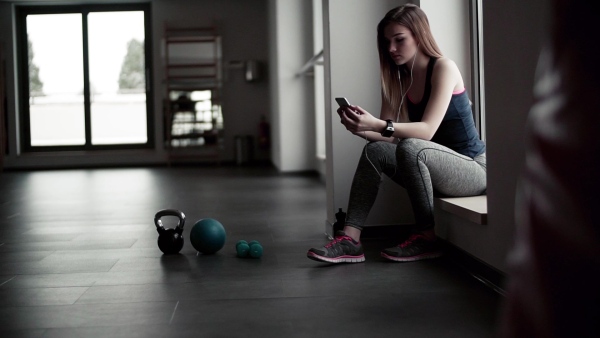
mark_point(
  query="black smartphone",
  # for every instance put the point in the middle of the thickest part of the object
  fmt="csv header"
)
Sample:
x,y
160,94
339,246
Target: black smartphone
x,y
342,101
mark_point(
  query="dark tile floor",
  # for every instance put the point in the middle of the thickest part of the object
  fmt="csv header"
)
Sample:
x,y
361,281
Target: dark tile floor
x,y
78,258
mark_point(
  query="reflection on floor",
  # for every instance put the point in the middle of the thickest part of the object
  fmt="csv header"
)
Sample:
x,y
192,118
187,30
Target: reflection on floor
x,y
78,258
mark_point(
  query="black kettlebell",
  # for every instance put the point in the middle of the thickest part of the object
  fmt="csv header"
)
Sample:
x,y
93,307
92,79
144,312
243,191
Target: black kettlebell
x,y
170,241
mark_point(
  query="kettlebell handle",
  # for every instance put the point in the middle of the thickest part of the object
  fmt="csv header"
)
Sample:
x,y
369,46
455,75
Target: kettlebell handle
x,y
169,212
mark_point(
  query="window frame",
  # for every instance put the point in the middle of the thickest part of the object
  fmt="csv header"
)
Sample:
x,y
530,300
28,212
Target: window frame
x,y
23,74
477,66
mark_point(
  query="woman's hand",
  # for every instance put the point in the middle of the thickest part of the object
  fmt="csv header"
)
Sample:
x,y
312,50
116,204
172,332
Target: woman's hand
x,y
357,120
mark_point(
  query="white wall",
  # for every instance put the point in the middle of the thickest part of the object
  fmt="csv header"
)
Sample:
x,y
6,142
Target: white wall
x,y
449,22
352,70
319,91
292,96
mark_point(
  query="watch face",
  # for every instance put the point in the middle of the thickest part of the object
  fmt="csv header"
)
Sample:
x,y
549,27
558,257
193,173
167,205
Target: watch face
x,y
389,129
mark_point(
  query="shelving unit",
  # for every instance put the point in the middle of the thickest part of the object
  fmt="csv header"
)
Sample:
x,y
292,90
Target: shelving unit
x,y
193,78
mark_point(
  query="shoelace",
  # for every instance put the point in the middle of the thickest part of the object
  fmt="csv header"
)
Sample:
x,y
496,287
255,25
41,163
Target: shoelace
x,y
410,240
337,240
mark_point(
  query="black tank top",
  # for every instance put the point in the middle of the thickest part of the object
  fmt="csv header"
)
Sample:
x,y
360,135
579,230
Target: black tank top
x,y
417,109
457,130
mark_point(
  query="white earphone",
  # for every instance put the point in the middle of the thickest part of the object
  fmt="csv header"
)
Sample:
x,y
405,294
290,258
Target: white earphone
x,y
399,108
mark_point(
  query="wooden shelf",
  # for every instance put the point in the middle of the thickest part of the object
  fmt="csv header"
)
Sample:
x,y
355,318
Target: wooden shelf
x,y
192,63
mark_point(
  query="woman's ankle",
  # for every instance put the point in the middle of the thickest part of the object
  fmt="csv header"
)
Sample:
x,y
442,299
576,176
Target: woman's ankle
x,y
353,232
428,234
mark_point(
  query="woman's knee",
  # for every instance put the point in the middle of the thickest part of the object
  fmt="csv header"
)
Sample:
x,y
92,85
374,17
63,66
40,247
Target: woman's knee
x,y
377,148
408,149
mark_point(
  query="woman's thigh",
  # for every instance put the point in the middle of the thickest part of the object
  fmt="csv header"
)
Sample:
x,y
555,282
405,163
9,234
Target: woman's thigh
x,y
451,173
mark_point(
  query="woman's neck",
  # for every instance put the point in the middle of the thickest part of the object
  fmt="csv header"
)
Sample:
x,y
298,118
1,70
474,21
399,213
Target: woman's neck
x,y
419,75
419,70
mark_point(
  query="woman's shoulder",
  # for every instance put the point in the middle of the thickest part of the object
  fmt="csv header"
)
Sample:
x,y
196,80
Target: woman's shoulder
x,y
445,63
446,68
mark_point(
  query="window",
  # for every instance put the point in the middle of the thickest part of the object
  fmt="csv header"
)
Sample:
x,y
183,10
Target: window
x,y
477,65
85,77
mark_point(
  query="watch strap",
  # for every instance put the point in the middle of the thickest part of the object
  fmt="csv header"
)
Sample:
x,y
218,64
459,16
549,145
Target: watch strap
x,y
389,129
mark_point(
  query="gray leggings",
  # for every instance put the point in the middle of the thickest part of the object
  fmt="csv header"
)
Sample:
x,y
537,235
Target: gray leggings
x,y
423,168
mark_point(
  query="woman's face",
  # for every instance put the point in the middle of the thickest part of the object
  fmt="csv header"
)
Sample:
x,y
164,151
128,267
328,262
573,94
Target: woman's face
x,y
402,46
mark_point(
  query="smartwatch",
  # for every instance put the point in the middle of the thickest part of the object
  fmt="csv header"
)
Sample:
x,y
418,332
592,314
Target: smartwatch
x,y
389,129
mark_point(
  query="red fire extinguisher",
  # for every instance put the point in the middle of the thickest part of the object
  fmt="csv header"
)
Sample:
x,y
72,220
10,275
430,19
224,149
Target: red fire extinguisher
x,y
264,133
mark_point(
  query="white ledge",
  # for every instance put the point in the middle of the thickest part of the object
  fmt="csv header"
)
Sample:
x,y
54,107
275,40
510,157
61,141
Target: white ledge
x,y
473,208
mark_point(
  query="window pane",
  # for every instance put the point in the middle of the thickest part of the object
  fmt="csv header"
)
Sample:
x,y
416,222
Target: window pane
x,y
117,77
56,104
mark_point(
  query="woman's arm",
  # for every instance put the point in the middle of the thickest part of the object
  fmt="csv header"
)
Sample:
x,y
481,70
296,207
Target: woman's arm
x,y
356,120
347,118
445,78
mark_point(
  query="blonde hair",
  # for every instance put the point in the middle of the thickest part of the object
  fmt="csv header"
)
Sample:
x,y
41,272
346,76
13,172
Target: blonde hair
x,y
393,77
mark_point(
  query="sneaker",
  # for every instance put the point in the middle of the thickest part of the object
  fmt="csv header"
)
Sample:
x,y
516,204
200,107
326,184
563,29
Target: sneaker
x,y
343,249
415,248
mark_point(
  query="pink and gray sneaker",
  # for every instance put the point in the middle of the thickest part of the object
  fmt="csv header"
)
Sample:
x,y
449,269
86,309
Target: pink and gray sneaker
x,y
415,248
342,249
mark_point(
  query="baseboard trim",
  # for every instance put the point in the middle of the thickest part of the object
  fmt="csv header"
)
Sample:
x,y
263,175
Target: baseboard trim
x,y
478,269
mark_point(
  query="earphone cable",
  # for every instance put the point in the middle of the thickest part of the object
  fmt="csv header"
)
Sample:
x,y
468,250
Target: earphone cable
x,y
397,114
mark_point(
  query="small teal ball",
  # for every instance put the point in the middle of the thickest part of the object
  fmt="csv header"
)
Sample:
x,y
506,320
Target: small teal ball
x,y
242,248
256,250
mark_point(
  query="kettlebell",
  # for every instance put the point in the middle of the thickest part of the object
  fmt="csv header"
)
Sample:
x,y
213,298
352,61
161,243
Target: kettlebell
x,y
170,240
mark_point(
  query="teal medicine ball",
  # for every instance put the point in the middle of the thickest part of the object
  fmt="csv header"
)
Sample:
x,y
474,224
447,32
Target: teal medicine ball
x,y
208,236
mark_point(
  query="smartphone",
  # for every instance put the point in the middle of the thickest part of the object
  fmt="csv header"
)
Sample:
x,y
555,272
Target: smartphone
x,y
342,101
